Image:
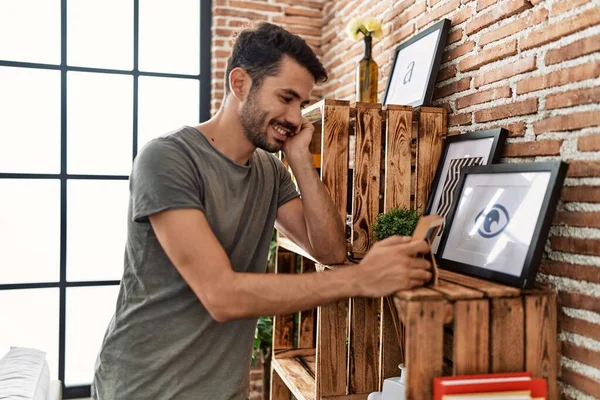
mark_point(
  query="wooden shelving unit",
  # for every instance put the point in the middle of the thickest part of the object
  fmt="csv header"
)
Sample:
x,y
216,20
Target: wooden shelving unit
x,y
344,350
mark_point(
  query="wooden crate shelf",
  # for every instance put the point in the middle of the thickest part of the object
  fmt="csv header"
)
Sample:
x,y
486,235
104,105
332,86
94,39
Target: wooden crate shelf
x,y
344,350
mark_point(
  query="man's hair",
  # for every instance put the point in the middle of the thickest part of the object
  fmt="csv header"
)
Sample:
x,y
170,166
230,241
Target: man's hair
x,y
259,50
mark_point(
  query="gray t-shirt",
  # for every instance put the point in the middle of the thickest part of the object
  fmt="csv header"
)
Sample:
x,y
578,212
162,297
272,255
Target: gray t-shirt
x,y
162,343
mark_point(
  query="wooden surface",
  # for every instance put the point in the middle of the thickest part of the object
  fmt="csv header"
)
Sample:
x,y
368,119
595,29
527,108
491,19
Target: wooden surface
x,y
391,333
419,293
332,331
507,334
490,289
296,377
471,337
363,346
424,347
279,389
429,150
540,340
334,155
398,158
453,291
293,353
283,325
367,171
307,318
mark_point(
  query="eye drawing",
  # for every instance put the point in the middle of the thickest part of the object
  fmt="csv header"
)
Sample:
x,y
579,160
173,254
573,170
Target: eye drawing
x,y
494,221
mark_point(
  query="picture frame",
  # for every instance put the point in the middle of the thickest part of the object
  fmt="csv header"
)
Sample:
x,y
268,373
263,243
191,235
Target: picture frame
x,y
500,219
415,67
459,151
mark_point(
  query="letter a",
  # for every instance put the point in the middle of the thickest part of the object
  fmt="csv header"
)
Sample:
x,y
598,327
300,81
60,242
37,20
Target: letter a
x,y
408,75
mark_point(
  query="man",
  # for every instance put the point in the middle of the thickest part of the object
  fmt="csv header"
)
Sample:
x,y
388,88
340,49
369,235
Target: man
x,y
203,204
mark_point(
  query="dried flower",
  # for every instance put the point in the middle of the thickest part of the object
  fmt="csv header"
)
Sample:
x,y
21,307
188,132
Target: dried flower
x,y
368,26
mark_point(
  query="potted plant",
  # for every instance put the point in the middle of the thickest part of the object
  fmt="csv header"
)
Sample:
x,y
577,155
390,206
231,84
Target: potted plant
x,y
397,221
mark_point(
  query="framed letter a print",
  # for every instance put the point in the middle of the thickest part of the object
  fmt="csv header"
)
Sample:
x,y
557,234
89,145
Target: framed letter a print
x,y
415,67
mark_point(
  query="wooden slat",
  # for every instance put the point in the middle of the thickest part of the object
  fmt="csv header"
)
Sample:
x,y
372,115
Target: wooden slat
x,y
392,335
334,155
306,326
424,347
332,330
541,340
398,157
490,289
471,337
429,149
452,291
418,293
288,245
283,332
507,335
292,353
279,390
296,378
367,170
363,347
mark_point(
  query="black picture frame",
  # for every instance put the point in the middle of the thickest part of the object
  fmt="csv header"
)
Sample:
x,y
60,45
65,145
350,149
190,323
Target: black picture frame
x,y
532,256
498,136
442,26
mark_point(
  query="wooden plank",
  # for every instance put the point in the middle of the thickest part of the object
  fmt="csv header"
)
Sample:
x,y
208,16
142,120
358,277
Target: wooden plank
x,y
391,332
283,332
296,378
507,335
363,346
471,337
429,150
288,245
490,289
398,157
306,326
418,294
332,331
279,390
541,340
367,170
424,347
292,353
452,291
334,155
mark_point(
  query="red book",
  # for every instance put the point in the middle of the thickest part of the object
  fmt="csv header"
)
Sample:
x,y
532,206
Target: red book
x,y
488,383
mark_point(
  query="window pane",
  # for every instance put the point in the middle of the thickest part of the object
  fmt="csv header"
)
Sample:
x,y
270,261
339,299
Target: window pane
x,y
90,43
166,104
100,123
30,31
28,95
30,319
170,36
29,230
89,310
96,229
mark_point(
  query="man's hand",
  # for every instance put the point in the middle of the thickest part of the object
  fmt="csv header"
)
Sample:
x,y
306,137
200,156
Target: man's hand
x,y
391,266
298,142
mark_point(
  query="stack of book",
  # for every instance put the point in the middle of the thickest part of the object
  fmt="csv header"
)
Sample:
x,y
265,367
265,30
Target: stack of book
x,y
508,386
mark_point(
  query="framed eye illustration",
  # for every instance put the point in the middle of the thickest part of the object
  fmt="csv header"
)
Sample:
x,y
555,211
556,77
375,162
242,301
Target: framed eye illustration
x,y
499,221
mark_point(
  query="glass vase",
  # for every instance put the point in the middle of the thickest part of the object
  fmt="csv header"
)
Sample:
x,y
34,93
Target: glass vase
x,y
366,76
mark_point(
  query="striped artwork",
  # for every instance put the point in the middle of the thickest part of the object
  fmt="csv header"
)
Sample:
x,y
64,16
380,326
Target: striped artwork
x,y
456,165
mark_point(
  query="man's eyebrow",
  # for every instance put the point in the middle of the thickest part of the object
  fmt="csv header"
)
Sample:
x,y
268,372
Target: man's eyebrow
x,y
295,94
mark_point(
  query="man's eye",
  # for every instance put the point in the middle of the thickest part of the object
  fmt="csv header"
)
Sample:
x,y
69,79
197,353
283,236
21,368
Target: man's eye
x,y
286,99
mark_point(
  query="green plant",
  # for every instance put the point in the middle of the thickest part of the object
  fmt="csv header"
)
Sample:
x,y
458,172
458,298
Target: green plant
x,y
263,336
397,221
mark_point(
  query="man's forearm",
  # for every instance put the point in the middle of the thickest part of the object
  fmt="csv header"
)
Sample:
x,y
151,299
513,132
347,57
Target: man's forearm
x,y
324,225
248,295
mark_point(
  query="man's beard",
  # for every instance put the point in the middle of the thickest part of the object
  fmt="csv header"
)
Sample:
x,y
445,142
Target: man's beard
x,y
254,123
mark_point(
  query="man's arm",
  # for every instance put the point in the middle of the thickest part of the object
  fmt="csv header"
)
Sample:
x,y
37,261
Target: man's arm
x,y
229,295
312,222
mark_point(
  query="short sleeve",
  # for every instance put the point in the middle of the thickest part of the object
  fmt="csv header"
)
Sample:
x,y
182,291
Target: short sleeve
x,y
287,188
164,177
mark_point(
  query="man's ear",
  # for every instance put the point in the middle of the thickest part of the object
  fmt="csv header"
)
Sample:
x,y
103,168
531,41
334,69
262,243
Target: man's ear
x,y
240,83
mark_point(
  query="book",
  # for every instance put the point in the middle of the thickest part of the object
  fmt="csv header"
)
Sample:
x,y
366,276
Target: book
x,y
489,383
511,395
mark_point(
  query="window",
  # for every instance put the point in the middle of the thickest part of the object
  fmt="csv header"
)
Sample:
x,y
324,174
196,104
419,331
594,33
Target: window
x,y
84,84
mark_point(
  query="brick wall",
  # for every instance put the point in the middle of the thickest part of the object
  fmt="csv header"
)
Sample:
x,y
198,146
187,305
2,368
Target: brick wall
x,y
531,66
